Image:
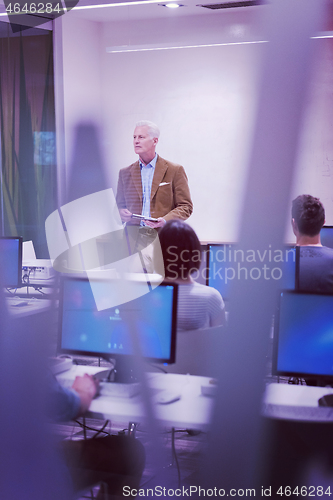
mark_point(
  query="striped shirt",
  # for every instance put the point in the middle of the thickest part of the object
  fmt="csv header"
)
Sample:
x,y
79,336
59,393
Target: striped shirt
x,y
199,306
147,174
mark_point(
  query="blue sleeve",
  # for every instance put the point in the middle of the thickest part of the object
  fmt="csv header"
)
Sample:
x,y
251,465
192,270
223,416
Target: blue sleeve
x,y
62,404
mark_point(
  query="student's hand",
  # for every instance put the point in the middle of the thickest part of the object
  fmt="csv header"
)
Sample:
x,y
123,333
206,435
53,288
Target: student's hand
x,y
125,214
160,223
86,387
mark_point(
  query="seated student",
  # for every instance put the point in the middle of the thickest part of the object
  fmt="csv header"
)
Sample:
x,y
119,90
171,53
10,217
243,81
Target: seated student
x,y
316,261
199,306
115,460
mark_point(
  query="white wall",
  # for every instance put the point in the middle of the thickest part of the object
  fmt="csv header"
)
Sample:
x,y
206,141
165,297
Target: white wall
x,y
81,75
315,163
202,98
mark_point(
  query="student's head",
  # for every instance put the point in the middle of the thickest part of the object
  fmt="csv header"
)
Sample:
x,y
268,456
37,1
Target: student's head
x,y
308,215
181,250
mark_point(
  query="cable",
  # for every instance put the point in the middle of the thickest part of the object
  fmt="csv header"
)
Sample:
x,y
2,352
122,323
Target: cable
x,y
39,289
102,429
175,454
87,427
84,427
158,368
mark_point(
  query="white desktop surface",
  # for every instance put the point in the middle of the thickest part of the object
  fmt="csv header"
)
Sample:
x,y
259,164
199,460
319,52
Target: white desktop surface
x,y
31,305
294,395
296,402
193,410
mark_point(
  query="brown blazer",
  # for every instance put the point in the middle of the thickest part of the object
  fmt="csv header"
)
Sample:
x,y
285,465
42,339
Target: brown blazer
x,y
170,194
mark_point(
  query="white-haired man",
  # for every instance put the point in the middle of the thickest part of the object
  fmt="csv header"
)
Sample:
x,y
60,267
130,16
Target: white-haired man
x,y
152,187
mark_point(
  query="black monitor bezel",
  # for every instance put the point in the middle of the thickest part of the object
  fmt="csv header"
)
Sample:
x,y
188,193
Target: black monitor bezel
x,y
282,373
20,254
327,227
117,356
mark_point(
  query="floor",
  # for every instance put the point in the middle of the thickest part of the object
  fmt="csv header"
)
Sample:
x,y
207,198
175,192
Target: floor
x,y
180,468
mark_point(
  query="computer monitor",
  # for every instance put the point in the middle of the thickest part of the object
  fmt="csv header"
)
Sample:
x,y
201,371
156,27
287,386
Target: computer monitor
x,y
201,275
326,236
303,336
220,266
11,261
290,268
83,330
225,263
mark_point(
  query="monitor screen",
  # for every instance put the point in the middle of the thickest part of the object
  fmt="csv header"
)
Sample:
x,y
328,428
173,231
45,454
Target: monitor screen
x,y
11,261
290,268
108,333
220,264
303,335
326,236
225,263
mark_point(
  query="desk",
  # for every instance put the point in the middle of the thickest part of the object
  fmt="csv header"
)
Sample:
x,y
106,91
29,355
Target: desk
x,y
19,307
192,411
296,402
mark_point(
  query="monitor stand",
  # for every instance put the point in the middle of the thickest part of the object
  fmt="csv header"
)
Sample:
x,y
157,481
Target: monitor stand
x,y
122,372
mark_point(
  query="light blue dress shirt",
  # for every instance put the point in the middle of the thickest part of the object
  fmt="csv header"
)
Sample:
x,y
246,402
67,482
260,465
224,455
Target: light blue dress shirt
x,y
147,174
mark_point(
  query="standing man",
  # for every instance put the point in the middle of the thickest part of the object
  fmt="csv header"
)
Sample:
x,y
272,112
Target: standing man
x,y
152,186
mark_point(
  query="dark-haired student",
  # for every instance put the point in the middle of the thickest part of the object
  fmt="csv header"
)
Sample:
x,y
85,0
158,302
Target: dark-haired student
x,y
199,306
316,260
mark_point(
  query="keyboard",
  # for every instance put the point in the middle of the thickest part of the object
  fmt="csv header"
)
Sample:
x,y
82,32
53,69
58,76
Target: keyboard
x,y
59,365
302,413
115,389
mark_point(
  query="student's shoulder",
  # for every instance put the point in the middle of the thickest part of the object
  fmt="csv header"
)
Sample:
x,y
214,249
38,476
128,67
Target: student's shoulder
x,y
207,291
327,251
317,251
313,250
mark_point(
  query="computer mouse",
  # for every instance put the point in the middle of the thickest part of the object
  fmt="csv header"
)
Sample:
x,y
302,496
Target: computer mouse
x,y
326,400
21,303
167,397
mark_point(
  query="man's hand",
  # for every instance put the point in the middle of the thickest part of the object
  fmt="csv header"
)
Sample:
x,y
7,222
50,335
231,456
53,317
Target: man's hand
x,y
86,387
125,214
160,223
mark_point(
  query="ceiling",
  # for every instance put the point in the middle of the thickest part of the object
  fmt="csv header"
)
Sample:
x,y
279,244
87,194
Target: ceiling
x,y
138,10
112,10
146,10
132,10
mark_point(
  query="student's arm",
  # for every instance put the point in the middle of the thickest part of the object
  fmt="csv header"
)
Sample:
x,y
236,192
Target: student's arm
x,y
64,404
86,387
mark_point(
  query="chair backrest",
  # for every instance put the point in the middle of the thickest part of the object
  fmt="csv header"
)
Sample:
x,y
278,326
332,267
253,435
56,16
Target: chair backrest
x,y
194,351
